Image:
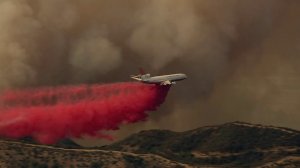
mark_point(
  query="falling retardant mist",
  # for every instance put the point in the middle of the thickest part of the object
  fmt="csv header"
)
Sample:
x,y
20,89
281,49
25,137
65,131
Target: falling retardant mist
x,y
50,114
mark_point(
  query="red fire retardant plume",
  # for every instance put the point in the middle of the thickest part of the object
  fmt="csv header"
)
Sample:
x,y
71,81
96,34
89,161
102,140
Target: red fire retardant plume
x,y
50,114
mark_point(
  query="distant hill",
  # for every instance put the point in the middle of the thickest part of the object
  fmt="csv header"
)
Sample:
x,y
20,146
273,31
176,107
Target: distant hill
x,y
23,155
234,144
65,143
231,144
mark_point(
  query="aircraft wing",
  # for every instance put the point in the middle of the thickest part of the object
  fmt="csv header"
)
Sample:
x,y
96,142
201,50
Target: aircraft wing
x,y
166,82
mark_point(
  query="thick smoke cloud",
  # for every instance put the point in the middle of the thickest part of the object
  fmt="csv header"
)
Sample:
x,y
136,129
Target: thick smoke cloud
x,y
85,57
241,56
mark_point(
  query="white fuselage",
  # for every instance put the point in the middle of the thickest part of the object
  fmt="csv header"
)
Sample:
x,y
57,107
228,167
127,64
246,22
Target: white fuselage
x,y
162,78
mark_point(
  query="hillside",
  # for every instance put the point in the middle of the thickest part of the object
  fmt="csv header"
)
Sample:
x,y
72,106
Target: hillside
x,y
22,155
234,144
231,144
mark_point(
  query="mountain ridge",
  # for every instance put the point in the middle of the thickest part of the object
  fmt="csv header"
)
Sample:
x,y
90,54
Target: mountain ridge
x,y
235,144
240,141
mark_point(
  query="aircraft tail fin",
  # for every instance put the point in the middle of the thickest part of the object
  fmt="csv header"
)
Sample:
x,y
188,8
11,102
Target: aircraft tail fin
x,y
141,76
142,72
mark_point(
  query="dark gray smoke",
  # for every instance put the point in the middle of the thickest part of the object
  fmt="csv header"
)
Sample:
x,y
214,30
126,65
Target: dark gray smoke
x,y
241,56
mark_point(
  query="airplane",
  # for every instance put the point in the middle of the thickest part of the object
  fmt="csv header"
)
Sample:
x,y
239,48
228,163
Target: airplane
x,y
159,80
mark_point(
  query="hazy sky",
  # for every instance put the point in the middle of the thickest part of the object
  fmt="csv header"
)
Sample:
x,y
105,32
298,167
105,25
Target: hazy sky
x,y
241,57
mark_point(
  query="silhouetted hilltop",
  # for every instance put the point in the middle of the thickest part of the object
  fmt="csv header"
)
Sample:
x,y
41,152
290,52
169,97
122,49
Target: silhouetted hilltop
x,y
234,144
230,137
65,143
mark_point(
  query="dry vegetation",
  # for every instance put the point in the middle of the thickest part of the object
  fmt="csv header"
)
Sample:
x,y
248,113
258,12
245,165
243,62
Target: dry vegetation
x,y
229,145
18,154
